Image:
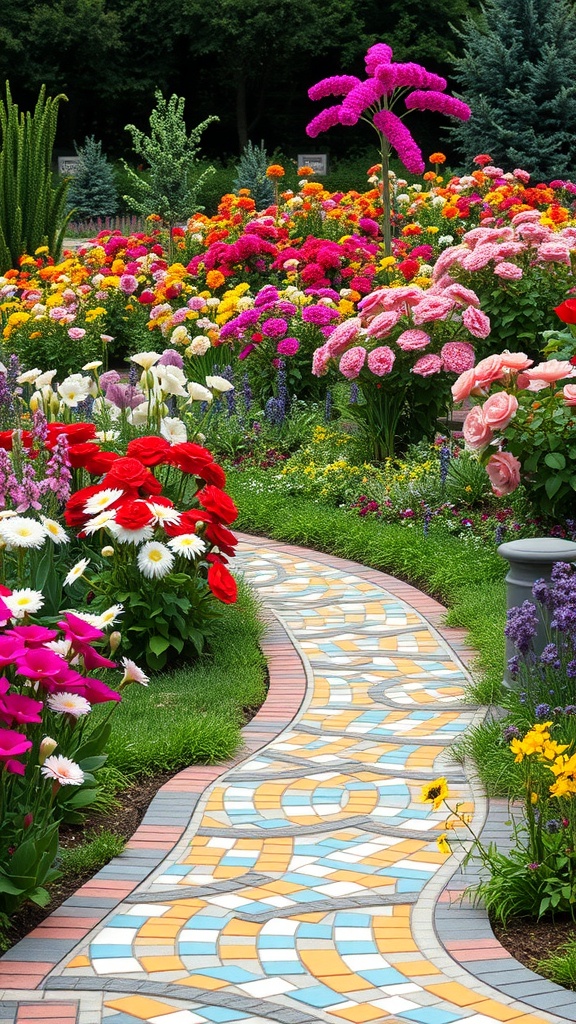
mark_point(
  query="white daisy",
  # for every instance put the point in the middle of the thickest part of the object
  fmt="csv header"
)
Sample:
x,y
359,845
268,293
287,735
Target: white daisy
x,y
55,532
219,384
99,522
8,513
173,429
88,617
102,500
155,560
124,536
188,545
61,647
69,704
21,532
133,674
163,513
63,770
108,617
76,571
24,602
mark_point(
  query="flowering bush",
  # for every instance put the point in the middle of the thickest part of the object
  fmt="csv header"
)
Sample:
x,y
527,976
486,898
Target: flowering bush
x,y
530,421
400,348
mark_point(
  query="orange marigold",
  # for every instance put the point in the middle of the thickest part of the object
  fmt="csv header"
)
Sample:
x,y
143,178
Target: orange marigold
x,y
305,172
275,171
215,279
437,158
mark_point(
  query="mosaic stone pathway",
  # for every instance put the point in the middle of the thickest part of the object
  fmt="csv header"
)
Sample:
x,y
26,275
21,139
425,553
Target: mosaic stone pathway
x,y
303,886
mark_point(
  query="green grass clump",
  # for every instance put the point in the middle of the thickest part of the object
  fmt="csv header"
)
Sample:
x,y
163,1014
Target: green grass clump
x,y
92,854
560,966
194,714
493,762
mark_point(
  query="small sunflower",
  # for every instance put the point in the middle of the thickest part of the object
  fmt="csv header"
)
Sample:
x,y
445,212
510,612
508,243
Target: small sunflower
x,y
435,792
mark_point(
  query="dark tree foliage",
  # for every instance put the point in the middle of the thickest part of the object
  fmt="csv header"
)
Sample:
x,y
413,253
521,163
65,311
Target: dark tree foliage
x,y
518,74
92,191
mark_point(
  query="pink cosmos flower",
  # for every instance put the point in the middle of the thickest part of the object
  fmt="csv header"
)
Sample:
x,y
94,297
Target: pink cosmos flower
x,y
551,371
457,356
412,340
427,365
499,409
477,433
381,360
352,362
504,472
508,271
476,322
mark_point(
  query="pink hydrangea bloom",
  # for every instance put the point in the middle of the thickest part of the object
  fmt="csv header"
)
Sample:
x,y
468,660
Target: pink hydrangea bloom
x,y
457,356
476,322
412,340
462,295
434,307
427,366
352,362
381,360
343,335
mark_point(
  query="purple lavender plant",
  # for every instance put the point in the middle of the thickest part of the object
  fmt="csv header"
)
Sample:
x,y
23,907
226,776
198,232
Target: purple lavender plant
x,y
58,471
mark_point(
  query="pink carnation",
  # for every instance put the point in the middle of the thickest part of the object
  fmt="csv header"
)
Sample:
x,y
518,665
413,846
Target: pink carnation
x,y
508,271
320,361
446,259
457,356
427,365
410,341
477,322
434,307
342,335
504,472
352,362
464,296
382,324
381,360
477,433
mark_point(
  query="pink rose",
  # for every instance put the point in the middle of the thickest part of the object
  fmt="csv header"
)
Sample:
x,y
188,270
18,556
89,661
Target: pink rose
x,y
554,252
76,333
462,295
499,409
409,341
504,472
428,365
382,324
508,271
477,322
569,392
552,371
381,360
464,386
489,370
457,356
352,362
477,433
515,361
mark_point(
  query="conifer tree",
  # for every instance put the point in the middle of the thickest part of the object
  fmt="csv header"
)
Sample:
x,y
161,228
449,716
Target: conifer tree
x,y
518,75
251,174
92,191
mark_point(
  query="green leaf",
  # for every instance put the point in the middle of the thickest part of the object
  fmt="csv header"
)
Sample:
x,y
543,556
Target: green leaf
x,y
553,485
158,644
555,460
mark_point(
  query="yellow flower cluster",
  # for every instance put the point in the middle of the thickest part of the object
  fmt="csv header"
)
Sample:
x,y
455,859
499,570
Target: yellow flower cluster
x,y
537,741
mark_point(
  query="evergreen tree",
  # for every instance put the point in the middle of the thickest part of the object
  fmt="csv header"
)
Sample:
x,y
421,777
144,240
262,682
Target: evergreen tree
x,y
251,173
518,74
92,191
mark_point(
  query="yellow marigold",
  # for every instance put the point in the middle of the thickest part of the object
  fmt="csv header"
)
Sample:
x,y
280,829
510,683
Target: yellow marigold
x,y
41,250
24,260
275,171
215,279
118,266
93,314
388,261
437,158
345,307
432,229
110,282
35,334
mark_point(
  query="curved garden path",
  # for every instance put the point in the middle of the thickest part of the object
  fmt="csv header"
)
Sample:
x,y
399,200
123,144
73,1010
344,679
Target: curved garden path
x,y
301,882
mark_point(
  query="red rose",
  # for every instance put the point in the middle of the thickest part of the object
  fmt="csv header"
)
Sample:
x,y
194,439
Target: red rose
x,y
188,457
147,298
150,450
74,512
218,502
567,311
100,462
215,558
223,539
6,440
127,473
222,583
188,522
80,453
77,433
213,474
133,515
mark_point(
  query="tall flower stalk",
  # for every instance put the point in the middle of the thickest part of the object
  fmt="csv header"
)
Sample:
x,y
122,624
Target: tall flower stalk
x,y
373,100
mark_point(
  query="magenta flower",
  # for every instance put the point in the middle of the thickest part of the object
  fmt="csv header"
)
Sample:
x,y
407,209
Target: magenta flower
x,y
12,744
401,140
439,102
32,636
41,664
326,119
10,649
275,327
16,709
337,85
377,55
362,96
288,347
